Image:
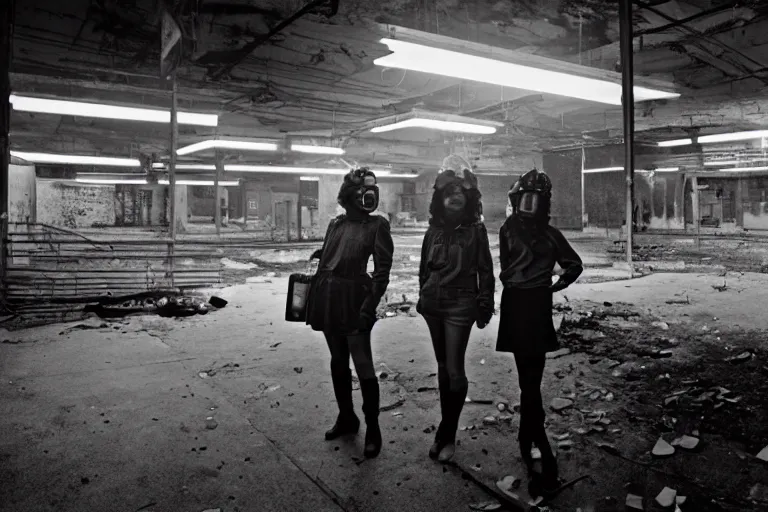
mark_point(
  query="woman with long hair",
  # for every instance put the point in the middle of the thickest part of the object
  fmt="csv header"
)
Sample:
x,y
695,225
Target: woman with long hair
x,y
456,286
530,247
343,299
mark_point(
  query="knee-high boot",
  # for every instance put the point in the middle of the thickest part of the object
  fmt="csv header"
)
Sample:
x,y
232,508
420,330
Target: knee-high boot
x,y
444,385
458,394
346,422
370,390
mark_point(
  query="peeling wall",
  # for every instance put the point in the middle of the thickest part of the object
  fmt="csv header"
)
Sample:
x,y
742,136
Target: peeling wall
x,y
22,193
73,205
201,200
564,169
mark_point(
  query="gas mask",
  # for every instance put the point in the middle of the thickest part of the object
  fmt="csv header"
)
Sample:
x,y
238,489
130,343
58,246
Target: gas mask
x,y
529,197
366,195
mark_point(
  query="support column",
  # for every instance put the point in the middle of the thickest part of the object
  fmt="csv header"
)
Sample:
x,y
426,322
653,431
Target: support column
x,y
628,106
217,192
298,212
695,209
288,220
6,37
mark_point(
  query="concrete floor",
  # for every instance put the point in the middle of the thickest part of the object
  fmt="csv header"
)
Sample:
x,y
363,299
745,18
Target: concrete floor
x,y
113,417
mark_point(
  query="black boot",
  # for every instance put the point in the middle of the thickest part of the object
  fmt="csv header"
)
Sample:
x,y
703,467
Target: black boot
x,y
370,389
456,403
550,477
347,422
444,385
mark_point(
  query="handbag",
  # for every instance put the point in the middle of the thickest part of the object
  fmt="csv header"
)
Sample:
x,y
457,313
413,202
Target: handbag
x,y
299,286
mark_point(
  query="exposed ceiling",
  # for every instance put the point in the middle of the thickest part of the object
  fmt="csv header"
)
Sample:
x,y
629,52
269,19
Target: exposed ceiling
x,y
315,78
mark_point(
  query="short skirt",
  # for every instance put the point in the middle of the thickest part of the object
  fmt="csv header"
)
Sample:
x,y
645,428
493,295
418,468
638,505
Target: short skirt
x,y
334,302
525,322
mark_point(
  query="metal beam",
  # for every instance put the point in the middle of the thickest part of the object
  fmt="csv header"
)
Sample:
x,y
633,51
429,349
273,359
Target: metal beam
x,y
677,23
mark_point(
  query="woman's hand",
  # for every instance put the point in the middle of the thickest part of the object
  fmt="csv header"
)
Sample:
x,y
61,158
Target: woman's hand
x,y
559,285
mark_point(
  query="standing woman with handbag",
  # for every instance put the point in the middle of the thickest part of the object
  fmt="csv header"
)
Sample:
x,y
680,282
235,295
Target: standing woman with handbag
x,y
456,285
529,248
343,299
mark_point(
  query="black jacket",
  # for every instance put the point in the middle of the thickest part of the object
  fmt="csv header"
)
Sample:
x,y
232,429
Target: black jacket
x,y
456,272
528,256
343,297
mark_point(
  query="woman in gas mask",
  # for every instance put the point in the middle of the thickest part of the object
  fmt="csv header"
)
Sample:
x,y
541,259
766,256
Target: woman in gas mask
x,y
343,299
529,248
456,288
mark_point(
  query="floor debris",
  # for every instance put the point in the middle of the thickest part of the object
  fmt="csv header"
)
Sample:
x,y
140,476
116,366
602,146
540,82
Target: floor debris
x,y
634,502
663,449
763,455
560,404
558,353
686,442
666,497
486,506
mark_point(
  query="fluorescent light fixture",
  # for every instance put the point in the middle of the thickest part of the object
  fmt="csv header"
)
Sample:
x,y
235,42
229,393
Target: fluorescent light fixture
x,y
316,150
730,137
187,167
307,170
673,143
712,163
745,169
48,158
309,178
426,59
111,179
616,169
602,169
227,144
104,111
158,165
434,124
418,118
201,183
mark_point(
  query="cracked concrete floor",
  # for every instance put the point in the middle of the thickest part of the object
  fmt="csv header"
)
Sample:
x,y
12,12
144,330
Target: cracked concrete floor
x,y
114,417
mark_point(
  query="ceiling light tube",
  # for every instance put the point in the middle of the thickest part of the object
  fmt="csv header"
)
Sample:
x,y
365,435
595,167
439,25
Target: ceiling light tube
x,y
309,178
673,143
49,158
111,180
435,124
712,163
616,169
104,111
227,144
186,167
745,169
417,57
731,137
201,183
316,150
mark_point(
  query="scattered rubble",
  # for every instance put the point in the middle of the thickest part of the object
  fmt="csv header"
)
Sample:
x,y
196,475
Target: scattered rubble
x,y
634,502
560,404
763,455
686,442
667,497
663,449
558,353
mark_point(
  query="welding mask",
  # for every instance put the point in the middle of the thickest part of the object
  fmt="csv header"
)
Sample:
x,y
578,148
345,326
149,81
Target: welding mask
x,y
366,196
529,197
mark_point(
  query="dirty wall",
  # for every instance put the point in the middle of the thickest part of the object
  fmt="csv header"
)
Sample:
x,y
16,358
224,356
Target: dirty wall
x,y
564,169
73,205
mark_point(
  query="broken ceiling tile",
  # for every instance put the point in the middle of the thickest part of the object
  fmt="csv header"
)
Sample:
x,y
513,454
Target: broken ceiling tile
x,y
763,455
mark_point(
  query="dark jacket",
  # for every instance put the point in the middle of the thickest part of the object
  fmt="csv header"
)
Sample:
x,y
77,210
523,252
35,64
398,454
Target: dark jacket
x,y
456,273
528,256
343,297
